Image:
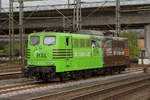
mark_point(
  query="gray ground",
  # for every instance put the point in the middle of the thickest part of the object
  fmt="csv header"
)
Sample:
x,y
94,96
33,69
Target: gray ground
x,y
4,83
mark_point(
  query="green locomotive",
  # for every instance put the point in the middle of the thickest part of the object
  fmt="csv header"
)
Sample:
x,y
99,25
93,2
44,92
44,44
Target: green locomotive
x,y
66,55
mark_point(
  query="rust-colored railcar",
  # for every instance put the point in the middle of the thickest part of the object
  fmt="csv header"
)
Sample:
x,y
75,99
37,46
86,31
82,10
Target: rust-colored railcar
x,y
116,52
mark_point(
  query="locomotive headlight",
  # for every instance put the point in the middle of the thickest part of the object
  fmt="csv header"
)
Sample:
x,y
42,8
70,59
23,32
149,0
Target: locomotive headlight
x,y
52,63
32,62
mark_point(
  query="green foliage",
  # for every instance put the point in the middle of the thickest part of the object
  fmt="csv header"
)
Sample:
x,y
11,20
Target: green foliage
x,y
4,49
133,43
16,49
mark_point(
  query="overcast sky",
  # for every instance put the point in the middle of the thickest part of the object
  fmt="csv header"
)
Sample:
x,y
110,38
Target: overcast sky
x,y
5,3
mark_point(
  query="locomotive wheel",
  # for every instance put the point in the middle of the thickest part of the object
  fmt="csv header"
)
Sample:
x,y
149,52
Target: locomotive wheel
x,y
119,70
75,75
64,77
106,71
45,77
111,71
85,74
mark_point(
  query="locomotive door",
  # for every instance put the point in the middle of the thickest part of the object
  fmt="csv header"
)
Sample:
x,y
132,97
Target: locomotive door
x,y
94,48
69,51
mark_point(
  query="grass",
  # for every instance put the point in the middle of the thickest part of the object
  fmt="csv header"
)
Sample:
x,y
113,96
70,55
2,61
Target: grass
x,y
11,63
2,52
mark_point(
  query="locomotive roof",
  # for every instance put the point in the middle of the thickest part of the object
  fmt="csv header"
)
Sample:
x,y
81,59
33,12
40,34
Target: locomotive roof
x,y
74,35
58,34
91,32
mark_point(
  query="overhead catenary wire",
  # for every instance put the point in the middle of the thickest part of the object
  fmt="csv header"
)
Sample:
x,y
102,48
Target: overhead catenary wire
x,y
97,9
117,18
66,17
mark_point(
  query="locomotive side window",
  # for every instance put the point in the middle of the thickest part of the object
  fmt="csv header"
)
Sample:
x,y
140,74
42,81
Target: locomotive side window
x,y
99,45
76,44
34,40
122,43
82,43
107,47
88,43
93,43
48,40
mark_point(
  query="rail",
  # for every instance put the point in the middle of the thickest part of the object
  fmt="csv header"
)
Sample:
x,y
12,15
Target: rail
x,y
11,75
78,92
75,89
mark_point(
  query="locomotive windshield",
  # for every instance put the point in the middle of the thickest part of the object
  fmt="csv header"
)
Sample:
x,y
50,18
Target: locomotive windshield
x,y
48,40
34,40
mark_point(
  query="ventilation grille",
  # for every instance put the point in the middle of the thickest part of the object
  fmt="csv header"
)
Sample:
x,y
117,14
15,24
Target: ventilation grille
x,y
28,53
62,53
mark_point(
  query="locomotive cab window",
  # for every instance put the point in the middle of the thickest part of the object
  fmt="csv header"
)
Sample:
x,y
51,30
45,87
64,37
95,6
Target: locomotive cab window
x,y
34,40
48,40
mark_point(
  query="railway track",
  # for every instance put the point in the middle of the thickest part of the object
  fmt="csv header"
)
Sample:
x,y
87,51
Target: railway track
x,y
103,90
8,69
17,87
15,72
59,91
5,59
128,89
11,75
2,62
10,72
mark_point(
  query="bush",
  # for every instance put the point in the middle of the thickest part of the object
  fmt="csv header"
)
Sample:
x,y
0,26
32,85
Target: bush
x,y
4,49
133,43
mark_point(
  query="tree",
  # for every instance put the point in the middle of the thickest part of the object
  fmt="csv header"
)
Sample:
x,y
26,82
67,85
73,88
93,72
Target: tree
x,y
133,43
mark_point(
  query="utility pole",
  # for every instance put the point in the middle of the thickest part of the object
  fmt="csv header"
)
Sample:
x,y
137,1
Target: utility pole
x,y
21,29
77,15
0,5
64,23
68,3
11,30
118,26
